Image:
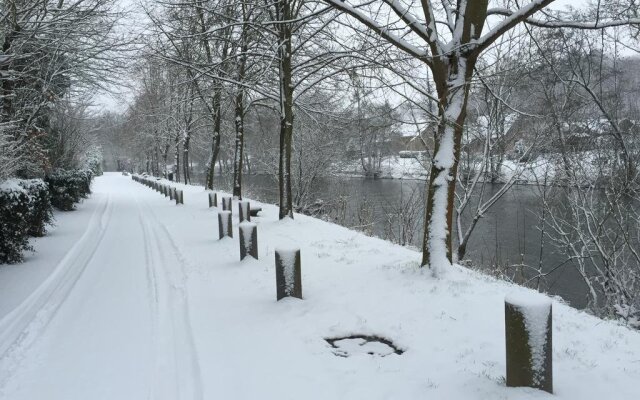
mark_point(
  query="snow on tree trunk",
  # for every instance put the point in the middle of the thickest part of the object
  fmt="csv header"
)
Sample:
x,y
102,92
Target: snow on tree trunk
x,y
239,145
528,331
437,242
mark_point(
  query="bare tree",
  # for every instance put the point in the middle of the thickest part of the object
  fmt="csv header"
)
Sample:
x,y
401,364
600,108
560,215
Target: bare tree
x,y
451,55
51,50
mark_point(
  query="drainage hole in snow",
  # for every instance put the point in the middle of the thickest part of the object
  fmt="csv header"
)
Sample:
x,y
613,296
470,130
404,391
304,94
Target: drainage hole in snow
x,y
363,344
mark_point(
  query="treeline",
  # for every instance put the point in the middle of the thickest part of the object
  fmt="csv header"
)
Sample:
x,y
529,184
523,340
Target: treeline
x,y
55,55
288,86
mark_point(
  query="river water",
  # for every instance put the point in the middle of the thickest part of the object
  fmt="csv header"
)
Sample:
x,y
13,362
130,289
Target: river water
x,y
508,235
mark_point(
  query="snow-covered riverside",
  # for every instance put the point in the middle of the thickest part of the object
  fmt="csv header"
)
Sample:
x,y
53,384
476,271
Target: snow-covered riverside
x,y
133,297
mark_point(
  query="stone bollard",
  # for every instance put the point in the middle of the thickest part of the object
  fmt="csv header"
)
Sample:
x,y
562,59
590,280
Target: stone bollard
x,y
179,197
244,211
288,274
225,226
248,240
226,204
165,190
172,194
213,200
529,342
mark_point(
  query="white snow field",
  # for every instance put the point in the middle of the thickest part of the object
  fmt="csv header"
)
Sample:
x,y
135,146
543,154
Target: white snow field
x,y
134,297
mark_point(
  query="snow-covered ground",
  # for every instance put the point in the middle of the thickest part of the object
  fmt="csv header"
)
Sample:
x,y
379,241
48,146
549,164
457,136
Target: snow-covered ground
x,y
133,297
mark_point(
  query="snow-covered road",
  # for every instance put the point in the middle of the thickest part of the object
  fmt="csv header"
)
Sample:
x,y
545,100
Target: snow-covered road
x,y
112,318
133,297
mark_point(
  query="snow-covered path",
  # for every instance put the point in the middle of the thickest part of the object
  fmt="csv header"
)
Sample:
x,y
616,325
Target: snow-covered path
x,y
112,321
133,297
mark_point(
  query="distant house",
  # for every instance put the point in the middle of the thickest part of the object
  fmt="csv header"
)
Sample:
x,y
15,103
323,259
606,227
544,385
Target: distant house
x,y
423,143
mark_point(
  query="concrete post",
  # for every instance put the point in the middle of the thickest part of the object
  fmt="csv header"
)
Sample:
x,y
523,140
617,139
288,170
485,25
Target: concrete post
x,y
213,200
248,240
288,273
226,204
529,342
244,211
225,227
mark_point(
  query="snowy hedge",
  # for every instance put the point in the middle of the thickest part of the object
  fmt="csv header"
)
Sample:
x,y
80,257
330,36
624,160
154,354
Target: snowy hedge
x,y
93,160
15,206
40,213
69,187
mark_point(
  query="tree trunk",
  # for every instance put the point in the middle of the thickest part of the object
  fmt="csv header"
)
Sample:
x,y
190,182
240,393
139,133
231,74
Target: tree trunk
x,y
177,158
239,145
215,139
453,92
286,108
185,158
239,112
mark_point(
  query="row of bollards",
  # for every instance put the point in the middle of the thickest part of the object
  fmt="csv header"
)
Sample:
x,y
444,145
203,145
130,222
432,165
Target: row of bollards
x,y
166,190
288,262
528,320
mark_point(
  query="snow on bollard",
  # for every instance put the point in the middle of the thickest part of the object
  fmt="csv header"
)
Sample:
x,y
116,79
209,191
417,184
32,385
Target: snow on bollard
x,y
248,240
213,200
179,197
529,342
225,227
288,274
226,203
244,211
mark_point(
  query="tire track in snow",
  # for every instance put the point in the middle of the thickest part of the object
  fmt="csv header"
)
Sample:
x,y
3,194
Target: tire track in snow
x,y
22,327
176,374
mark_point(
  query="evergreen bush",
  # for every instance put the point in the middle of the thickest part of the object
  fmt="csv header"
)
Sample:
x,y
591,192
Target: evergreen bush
x,y
69,187
41,212
15,210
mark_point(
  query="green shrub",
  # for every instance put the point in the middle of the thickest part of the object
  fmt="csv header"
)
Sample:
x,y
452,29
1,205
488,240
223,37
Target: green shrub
x,y
41,212
68,187
15,208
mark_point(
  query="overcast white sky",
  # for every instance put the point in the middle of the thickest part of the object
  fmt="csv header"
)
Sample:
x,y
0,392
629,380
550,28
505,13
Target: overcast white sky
x,y
120,97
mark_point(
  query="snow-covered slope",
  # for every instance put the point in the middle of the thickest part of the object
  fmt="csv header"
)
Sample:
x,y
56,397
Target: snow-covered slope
x,y
161,309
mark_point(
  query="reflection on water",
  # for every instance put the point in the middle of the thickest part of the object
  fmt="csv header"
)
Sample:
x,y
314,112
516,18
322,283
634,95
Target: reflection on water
x,y
507,235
